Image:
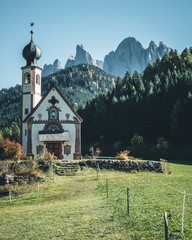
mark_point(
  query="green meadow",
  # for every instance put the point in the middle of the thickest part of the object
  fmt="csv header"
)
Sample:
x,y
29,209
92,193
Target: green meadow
x,y
77,207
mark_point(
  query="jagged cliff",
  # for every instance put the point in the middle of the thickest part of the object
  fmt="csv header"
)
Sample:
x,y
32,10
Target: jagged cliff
x,y
83,57
131,56
51,68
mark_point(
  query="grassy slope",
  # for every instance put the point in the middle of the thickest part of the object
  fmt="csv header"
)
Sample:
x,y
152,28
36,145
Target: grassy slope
x,y
77,207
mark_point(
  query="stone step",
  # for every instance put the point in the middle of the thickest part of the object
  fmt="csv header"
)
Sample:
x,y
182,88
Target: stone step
x,y
66,169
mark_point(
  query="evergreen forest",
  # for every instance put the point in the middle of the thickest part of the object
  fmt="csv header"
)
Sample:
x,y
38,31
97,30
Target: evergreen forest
x,y
149,114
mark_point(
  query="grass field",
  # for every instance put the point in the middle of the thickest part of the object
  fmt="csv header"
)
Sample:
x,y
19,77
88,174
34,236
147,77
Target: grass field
x,y
76,207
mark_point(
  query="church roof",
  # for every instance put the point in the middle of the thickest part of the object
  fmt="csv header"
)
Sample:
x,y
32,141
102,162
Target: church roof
x,y
42,99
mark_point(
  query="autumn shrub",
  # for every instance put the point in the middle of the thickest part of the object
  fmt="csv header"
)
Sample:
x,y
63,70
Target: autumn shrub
x,y
10,150
123,155
46,156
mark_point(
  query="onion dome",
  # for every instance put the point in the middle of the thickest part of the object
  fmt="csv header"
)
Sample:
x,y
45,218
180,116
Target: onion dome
x,y
31,53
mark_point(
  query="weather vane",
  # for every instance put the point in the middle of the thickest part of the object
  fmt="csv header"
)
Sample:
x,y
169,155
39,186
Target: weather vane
x,y
31,24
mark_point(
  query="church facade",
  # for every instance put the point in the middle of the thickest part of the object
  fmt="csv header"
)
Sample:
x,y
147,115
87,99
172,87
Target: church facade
x,y
48,123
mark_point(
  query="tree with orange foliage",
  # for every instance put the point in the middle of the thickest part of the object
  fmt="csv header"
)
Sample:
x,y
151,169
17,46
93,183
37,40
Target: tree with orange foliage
x,y
10,149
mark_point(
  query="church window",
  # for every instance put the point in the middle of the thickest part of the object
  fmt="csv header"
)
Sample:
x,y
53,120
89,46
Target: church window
x,y
26,78
53,114
67,149
38,79
39,149
26,111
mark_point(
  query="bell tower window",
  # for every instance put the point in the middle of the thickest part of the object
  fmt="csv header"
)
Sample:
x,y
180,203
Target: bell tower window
x,y
26,78
38,79
53,114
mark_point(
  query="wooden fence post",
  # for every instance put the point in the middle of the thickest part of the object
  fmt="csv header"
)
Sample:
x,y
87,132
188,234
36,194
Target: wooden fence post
x,y
98,167
37,189
128,201
183,212
147,179
166,226
107,187
10,197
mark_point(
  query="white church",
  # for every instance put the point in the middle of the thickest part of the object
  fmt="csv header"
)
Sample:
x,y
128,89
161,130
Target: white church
x,y
48,123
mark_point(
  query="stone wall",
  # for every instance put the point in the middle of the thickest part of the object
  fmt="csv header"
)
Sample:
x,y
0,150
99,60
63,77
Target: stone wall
x,y
122,165
18,172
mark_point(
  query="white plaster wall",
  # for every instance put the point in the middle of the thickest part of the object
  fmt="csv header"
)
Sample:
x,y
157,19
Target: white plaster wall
x,y
37,86
27,87
26,104
72,133
62,105
37,96
35,137
36,99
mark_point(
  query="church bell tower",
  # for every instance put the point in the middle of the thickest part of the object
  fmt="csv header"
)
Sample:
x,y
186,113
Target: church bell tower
x,y
31,82
31,78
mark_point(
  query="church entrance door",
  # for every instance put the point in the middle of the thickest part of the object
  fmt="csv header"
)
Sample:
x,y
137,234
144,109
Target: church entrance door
x,y
55,147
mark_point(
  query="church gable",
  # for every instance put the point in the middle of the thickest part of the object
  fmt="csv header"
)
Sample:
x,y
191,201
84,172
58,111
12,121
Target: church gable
x,y
53,106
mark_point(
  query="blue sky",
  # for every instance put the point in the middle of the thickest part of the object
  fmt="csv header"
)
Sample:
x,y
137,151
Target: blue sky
x,y
99,25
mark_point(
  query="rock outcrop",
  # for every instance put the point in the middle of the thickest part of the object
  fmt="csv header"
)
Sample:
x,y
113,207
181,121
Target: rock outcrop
x,y
131,56
70,62
51,68
82,57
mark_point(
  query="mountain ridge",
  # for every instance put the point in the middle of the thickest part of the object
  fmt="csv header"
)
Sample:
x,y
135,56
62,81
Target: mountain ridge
x,y
130,55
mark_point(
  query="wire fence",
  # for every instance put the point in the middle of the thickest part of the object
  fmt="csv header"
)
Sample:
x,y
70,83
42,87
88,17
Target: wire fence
x,y
131,198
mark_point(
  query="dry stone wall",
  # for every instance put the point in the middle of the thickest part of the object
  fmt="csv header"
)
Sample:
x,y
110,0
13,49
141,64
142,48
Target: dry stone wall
x,y
122,165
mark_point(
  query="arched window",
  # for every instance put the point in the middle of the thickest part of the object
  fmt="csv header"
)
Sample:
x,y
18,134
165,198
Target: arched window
x,y
53,128
53,114
26,78
38,79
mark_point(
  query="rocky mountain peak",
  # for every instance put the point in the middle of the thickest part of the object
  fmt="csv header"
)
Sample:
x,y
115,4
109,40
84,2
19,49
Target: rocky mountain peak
x,y
152,43
131,56
51,68
82,57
